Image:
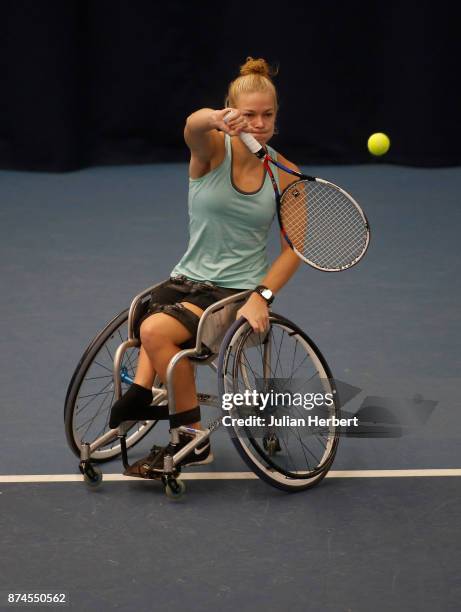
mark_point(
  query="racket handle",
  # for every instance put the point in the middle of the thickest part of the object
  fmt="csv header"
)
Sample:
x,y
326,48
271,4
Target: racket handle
x,y
248,140
251,142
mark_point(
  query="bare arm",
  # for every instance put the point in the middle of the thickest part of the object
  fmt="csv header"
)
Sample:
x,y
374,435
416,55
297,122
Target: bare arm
x,y
203,139
287,262
282,269
200,133
255,309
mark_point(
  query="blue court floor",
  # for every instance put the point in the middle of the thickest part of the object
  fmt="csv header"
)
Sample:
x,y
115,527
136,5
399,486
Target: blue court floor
x,y
75,248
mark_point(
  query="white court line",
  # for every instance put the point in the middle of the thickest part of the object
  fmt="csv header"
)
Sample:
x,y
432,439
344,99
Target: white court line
x,y
37,478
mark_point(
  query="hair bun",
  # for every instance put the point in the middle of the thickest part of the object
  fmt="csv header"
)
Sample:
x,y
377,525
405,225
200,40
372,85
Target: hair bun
x,y
255,75
256,66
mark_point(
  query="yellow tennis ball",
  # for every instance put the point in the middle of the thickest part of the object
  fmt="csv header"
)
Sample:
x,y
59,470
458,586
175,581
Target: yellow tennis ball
x,y
379,143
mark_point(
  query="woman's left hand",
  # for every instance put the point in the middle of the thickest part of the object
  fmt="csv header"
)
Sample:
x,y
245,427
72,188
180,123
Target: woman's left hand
x,y
256,312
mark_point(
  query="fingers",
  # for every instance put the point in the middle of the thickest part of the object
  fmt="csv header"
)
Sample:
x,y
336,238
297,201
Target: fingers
x,y
228,114
259,327
260,324
234,122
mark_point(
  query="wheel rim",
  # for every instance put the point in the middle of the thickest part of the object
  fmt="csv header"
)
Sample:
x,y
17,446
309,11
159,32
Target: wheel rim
x,y
95,396
306,452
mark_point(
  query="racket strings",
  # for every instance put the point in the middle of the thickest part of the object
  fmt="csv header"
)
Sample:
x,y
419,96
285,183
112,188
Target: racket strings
x,y
323,224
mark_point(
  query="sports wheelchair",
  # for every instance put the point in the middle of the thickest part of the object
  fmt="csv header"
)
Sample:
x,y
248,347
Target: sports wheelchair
x,y
289,457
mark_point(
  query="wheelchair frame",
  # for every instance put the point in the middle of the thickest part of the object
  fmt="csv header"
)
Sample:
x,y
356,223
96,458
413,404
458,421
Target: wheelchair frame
x,y
214,326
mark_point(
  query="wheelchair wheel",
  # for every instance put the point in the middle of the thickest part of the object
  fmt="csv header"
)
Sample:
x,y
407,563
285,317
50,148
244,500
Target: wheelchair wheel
x,y
292,454
90,394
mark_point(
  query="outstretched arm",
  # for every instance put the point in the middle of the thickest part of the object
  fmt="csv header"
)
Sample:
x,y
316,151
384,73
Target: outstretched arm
x,y
202,136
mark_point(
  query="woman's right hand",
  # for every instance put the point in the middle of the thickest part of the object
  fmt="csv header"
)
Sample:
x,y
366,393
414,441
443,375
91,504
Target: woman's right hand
x,y
236,124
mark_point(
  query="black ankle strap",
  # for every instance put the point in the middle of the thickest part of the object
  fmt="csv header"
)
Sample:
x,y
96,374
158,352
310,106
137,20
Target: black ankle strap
x,y
185,418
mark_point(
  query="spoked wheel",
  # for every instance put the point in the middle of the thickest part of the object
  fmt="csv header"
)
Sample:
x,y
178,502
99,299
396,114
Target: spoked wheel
x,y
91,392
285,448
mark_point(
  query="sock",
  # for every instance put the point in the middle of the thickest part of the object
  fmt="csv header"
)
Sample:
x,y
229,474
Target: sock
x,y
134,405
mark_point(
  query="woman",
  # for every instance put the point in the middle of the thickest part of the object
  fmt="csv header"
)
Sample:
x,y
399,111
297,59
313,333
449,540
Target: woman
x,y
231,208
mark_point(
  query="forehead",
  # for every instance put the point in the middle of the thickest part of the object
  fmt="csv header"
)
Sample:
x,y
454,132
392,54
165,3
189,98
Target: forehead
x,y
256,100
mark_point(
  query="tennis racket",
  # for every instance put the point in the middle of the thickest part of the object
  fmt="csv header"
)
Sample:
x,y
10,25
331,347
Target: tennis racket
x,y
321,222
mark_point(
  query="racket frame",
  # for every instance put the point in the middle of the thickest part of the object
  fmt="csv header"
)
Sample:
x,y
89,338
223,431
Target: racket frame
x,y
257,149
266,159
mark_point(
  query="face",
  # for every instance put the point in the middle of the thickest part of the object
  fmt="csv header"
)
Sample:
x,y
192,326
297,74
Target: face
x,y
258,109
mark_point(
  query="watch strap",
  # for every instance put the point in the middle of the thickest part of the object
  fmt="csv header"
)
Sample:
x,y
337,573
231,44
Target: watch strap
x,y
260,289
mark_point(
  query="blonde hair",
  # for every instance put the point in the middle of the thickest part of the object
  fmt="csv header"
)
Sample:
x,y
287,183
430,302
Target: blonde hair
x,y
255,75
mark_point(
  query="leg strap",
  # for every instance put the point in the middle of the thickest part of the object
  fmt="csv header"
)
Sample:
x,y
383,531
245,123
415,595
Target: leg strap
x,y
185,418
134,405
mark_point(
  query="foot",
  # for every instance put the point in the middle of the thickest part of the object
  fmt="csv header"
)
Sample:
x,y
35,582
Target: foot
x,y
151,466
200,455
134,399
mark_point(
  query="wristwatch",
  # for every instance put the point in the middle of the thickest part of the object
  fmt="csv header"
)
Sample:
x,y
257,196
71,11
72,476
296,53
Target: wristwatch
x,y
265,293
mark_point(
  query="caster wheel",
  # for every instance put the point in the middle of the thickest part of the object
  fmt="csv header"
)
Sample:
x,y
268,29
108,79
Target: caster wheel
x,y
175,489
92,474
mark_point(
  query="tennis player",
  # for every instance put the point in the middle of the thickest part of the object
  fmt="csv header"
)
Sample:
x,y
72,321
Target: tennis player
x,y
231,209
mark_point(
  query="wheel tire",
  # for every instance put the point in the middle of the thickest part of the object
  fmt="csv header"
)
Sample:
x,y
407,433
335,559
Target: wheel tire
x,y
117,328
256,465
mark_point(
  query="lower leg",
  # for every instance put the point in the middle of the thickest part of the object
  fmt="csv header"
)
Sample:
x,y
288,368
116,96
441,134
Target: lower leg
x,y
135,401
184,381
145,372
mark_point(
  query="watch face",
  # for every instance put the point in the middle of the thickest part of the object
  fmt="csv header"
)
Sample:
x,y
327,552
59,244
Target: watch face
x,y
266,293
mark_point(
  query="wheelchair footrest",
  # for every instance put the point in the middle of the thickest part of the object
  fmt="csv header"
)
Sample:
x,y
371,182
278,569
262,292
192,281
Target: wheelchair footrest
x,y
152,466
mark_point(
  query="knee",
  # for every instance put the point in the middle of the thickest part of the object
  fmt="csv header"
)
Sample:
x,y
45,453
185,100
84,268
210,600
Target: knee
x,y
151,335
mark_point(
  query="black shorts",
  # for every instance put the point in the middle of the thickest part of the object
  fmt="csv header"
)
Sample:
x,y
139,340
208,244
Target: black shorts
x,y
168,299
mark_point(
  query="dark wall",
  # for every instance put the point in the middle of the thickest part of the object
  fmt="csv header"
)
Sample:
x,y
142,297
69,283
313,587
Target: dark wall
x,y
87,82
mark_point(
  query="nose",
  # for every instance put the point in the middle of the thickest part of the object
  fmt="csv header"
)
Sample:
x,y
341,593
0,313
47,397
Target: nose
x,y
258,122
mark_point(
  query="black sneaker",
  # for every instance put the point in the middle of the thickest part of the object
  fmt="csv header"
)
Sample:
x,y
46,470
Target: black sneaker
x,y
152,465
200,455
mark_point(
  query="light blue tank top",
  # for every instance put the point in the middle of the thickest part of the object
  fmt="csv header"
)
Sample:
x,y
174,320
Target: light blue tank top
x,y
228,229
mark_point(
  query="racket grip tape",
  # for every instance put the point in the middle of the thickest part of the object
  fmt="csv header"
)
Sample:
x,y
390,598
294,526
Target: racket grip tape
x,y
252,144
248,140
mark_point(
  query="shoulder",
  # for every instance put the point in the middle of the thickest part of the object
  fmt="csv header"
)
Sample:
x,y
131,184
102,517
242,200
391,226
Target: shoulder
x,y
286,162
286,179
